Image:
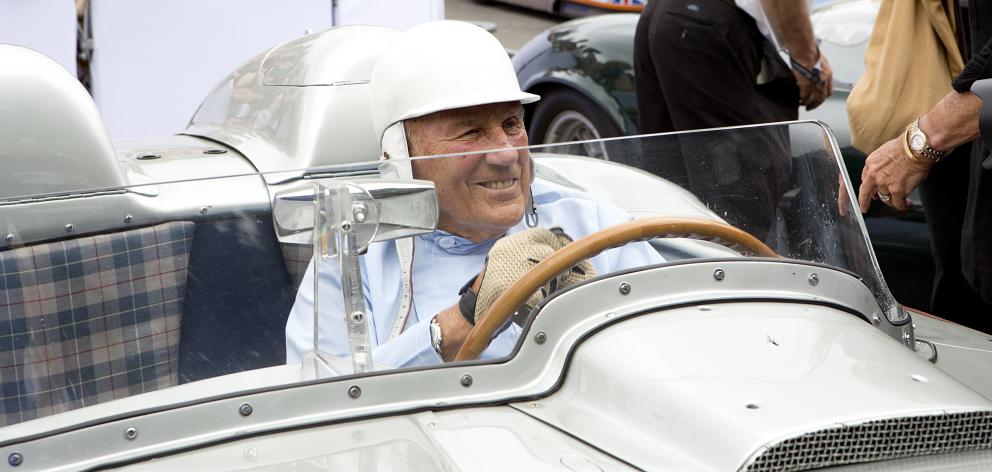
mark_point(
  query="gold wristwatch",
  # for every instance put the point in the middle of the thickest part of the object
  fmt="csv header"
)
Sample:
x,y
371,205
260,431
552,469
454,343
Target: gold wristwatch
x,y
920,144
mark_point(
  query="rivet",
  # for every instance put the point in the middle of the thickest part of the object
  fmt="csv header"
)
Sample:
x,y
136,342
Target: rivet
x,y
624,288
358,436
360,212
719,274
10,237
357,317
245,409
130,434
69,228
15,459
204,210
354,391
814,279
466,380
215,151
128,219
345,226
875,320
540,337
251,454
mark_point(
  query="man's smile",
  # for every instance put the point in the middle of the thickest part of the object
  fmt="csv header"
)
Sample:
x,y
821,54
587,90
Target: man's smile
x,y
498,184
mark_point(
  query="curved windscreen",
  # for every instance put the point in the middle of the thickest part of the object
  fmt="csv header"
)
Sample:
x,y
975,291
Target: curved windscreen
x,y
114,299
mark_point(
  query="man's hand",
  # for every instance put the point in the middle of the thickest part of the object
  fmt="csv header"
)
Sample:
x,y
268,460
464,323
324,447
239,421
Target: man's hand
x,y
509,259
812,95
890,175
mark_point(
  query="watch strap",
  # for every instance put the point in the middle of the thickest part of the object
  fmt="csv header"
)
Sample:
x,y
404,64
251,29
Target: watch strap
x,y
811,73
928,153
468,301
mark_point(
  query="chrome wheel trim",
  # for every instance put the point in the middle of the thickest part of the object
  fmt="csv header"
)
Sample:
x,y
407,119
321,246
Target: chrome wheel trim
x,y
571,125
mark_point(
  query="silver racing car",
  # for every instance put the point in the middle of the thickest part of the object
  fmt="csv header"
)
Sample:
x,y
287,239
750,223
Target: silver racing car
x,y
146,287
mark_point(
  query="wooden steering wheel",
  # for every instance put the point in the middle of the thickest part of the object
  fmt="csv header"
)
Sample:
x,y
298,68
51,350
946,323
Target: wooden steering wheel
x,y
591,245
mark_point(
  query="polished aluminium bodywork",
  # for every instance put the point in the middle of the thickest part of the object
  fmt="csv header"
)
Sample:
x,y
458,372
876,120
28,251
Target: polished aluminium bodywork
x,y
716,363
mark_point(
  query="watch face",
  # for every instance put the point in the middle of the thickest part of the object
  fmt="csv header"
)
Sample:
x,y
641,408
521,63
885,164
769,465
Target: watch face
x,y
917,142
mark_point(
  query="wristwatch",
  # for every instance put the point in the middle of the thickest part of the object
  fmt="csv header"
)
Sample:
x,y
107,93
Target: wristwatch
x,y
436,336
920,143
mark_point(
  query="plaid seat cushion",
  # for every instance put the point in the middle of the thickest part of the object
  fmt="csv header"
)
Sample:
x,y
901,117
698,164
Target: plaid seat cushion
x,y
91,319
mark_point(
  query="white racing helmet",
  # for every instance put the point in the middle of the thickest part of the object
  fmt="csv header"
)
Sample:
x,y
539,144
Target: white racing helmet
x,y
441,65
436,66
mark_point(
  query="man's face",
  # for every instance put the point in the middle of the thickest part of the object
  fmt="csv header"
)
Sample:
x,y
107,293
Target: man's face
x,y
481,195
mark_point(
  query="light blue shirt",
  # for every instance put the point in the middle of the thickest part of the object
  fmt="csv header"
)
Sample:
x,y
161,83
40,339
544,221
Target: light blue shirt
x,y
442,263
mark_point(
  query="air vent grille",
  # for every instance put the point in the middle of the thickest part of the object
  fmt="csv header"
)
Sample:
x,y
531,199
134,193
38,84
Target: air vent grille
x,y
877,440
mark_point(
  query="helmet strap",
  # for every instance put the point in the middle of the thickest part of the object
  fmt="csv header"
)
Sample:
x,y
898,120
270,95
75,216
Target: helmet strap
x,y
531,215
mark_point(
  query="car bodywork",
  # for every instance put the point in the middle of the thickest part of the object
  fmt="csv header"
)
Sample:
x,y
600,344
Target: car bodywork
x,y
713,362
593,59
577,8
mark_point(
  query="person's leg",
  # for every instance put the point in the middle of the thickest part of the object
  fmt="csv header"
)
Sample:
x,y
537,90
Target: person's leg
x,y
706,56
944,200
976,245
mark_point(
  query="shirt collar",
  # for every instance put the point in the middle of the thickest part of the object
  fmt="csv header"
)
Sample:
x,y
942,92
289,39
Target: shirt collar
x,y
454,244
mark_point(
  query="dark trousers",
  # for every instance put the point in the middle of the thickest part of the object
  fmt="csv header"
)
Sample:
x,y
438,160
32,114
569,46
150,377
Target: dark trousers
x,y
945,202
697,63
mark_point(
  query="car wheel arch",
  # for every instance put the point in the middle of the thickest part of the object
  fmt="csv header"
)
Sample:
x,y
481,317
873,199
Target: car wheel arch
x,y
585,88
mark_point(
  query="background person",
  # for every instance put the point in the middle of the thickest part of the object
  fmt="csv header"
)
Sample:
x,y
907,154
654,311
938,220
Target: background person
x,y
896,168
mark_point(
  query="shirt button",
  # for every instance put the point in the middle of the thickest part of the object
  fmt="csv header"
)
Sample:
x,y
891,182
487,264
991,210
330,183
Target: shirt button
x,y
447,243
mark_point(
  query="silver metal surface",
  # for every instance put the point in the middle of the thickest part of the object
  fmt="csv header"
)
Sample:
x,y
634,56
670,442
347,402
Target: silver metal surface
x,y
719,274
965,353
53,138
15,459
300,105
466,380
130,434
84,438
624,288
814,280
390,209
354,391
707,390
245,409
174,187
541,337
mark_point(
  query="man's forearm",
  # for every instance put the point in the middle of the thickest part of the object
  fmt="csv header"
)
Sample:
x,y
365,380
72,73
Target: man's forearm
x,y
953,121
790,22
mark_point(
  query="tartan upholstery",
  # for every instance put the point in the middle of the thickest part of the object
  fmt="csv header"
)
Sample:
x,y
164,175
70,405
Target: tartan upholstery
x,y
297,257
91,319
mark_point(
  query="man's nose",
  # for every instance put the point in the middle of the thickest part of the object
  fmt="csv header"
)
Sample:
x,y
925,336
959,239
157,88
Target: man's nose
x,y
502,153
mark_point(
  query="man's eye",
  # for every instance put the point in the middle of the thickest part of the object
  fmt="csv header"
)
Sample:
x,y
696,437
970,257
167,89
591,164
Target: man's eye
x,y
513,124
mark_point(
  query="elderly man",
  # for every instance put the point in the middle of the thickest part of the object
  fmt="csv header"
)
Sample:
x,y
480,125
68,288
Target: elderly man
x,y
449,88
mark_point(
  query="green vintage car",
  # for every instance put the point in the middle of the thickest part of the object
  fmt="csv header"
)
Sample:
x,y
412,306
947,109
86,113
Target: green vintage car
x,y
583,70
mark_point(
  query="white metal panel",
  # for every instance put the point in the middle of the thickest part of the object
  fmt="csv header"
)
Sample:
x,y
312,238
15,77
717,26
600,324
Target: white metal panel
x,y
399,14
47,26
154,61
